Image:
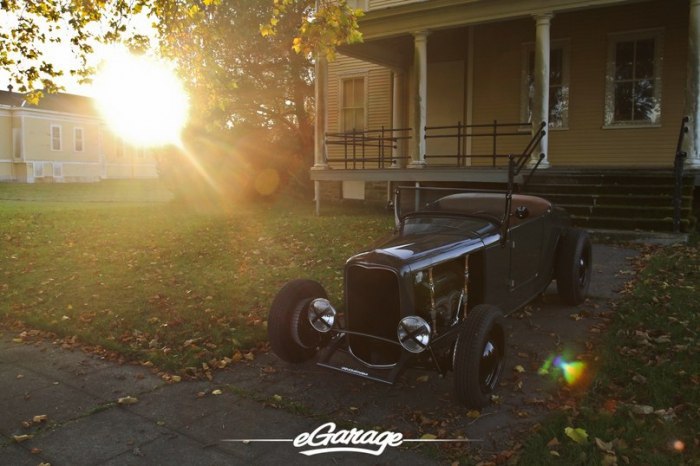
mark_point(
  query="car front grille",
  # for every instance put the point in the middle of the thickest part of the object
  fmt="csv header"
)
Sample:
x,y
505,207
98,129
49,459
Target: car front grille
x,y
373,308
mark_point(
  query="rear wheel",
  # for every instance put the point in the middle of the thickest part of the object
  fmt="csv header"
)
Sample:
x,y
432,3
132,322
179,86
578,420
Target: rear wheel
x,y
573,268
292,337
479,356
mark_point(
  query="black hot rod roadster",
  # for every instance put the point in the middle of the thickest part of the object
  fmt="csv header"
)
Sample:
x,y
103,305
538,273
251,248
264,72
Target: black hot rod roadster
x,y
434,294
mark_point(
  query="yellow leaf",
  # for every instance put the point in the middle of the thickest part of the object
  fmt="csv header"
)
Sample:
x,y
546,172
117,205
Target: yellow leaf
x,y
519,368
578,435
40,418
176,378
127,400
276,398
216,392
21,438
428,437
473,414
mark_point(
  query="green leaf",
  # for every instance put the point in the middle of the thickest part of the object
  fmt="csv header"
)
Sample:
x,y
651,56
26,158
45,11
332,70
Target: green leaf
x,y
578,435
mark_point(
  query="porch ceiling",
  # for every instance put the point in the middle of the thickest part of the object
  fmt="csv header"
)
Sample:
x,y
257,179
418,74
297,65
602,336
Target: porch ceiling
x,y
442,14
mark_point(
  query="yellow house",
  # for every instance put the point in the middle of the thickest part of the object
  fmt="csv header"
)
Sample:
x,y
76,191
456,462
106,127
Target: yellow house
x,y
439,88
63,139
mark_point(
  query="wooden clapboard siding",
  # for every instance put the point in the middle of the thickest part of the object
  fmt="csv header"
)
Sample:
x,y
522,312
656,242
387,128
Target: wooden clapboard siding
x,y
379,94
586,142
379,4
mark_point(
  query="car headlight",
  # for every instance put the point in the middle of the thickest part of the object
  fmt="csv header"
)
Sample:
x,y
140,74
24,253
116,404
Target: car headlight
x,y
414,334
321,315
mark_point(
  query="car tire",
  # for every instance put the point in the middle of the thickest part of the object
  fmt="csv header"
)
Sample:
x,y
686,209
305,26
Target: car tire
x,y
573,268
479,356
292,337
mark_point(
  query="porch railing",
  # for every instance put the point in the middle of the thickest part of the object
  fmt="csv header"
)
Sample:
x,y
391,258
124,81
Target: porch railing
x,y
376,147
678,163
461,134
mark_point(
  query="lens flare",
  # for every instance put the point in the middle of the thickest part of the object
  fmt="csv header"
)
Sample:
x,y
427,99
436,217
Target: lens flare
x,y
571,371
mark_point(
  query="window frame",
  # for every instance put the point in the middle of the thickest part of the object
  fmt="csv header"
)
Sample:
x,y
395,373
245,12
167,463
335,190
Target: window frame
x,y
657,34
341,99
53,138
77,139
558,44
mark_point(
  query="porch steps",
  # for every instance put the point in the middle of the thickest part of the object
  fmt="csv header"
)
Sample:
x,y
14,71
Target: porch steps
x,y
624,200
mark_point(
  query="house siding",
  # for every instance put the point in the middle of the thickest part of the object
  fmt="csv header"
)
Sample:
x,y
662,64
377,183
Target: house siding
x,y
498,73
26,145
379,4
379,95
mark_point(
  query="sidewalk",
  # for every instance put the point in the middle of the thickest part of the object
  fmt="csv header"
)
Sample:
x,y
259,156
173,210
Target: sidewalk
x,y
187,423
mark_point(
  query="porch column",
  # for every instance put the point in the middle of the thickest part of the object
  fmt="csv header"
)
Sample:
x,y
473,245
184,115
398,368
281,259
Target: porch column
x,y
419,96
540,104
396,121
692,92
320,89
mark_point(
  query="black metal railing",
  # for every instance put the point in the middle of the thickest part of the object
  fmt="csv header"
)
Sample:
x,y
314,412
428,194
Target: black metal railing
x,y
462,133
678,164
374,147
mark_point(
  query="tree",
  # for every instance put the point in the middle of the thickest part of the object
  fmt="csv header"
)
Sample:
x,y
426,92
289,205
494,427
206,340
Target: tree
x,y
248,64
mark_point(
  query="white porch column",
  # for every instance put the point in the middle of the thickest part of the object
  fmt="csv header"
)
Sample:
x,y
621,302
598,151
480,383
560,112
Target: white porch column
x,y
419,96
692,92
320,88
396,120
540,110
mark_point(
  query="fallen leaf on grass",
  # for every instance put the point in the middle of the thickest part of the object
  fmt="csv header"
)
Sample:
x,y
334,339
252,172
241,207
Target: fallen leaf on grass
x,y
40,418
21,438
127,400
578,435
216,392
428,437
519,369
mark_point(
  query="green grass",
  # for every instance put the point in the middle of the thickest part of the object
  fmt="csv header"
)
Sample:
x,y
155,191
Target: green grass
x,y
644,403
157,281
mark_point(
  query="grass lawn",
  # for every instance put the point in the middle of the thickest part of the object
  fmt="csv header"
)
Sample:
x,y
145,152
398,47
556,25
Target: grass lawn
x,y
643,407
118,266
114,264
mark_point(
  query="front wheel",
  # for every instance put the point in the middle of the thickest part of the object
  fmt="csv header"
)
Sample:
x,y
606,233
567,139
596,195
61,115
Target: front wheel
x,y
292,337
480,356
573,267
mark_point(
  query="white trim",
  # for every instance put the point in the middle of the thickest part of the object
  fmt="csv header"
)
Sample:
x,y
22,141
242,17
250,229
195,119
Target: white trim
x,y
657,34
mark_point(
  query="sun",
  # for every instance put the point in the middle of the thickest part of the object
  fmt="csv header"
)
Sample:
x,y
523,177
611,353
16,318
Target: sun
x,y
141,98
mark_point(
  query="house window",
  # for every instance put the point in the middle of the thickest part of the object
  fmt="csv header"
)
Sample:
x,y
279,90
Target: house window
x,y
352,111
633,81
558,84
78,139
56,137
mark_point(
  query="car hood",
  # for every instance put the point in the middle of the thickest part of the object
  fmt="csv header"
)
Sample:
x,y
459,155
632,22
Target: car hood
x,y
419,250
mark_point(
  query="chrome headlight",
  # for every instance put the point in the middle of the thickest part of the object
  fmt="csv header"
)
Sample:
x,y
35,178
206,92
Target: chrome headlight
x,y
414,334
321,315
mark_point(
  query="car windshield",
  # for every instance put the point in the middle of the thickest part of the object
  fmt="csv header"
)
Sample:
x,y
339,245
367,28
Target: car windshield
x,y
424,224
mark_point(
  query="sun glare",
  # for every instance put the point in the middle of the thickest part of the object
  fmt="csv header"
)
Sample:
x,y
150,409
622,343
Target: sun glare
x,y
141,99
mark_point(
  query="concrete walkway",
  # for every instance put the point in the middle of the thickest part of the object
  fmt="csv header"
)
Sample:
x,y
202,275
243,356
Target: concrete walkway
x,y
60,406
